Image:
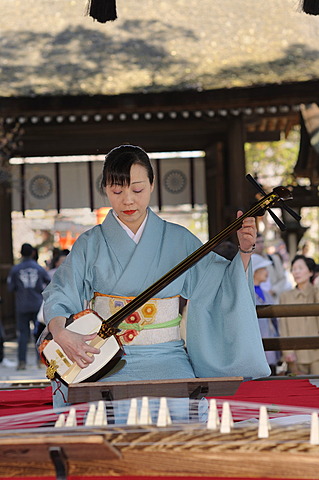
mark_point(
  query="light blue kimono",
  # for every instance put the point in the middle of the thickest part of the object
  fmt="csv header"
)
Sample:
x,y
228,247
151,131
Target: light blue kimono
x,y
223,337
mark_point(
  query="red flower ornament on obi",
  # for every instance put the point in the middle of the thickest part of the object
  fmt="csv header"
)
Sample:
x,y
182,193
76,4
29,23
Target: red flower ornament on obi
x,y
133,318
128,336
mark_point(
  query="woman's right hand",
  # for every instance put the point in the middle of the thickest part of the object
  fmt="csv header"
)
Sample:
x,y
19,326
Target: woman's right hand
x,y
74,345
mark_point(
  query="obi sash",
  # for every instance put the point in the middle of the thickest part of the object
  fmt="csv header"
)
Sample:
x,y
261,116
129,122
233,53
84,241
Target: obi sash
x,y
157,321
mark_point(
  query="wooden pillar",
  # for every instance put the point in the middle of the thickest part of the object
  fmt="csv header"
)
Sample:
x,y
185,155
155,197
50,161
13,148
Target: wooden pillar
x,y
7,315
237,187
226,186
215,191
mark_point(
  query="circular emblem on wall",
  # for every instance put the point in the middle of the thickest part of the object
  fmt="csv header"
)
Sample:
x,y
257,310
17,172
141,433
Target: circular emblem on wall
x,y
41,186
175,181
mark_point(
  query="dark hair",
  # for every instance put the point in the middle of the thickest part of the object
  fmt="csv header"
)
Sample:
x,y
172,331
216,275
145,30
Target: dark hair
x,y
118,162
35,254
27,250
311,264
57,254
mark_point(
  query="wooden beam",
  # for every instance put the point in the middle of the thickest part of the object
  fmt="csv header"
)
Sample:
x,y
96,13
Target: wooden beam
x,y
94,138
292,93
292,310
291,343
257,136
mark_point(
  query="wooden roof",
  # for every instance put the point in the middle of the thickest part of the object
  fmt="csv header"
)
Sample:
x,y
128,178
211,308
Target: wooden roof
x,y
60,125
167,75
48,47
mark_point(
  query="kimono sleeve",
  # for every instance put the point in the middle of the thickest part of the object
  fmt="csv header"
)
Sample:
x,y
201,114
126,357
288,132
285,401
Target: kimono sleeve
x,y
223,336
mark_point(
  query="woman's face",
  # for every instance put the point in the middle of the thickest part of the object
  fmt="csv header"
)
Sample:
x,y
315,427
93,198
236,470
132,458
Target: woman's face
x,y
301,272
130,202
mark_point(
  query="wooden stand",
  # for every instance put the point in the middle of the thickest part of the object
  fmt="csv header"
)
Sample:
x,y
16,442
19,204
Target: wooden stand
x,y
194,388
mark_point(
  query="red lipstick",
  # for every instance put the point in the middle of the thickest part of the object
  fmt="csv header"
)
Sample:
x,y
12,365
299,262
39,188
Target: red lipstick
x,y
129,212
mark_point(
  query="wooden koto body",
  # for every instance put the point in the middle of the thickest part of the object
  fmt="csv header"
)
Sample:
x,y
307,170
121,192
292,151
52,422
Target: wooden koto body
x,y
175,449
150,453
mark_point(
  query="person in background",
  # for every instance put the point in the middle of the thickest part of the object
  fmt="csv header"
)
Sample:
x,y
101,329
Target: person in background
x,y
50,263
26,280
58,259
301,362
277,278
268,326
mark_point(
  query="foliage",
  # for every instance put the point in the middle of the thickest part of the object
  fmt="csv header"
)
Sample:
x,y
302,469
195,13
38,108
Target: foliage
x,y
272,163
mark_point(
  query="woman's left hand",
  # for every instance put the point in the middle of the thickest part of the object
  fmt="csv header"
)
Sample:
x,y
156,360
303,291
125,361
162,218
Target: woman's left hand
x,y
247,238
247,233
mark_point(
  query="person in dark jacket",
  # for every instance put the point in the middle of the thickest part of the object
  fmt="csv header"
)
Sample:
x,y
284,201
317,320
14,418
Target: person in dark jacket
x,y
27,280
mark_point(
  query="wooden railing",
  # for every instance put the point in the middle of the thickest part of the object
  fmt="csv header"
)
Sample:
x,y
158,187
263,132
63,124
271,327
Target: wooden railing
x,y
293,310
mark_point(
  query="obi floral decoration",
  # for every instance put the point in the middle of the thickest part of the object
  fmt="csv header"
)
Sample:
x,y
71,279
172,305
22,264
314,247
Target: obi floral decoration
x,y
149,311
116,304
133,318
128,336
145,315
134,323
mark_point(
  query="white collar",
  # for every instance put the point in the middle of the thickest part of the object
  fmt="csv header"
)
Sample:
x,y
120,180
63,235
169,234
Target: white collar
x,y
134,236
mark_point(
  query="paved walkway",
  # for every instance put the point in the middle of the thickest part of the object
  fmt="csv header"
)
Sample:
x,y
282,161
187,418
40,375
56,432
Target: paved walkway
x,y
9,375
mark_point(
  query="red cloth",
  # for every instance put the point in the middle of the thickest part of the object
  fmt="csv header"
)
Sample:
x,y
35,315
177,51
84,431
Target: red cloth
x,y
283,392
15,402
